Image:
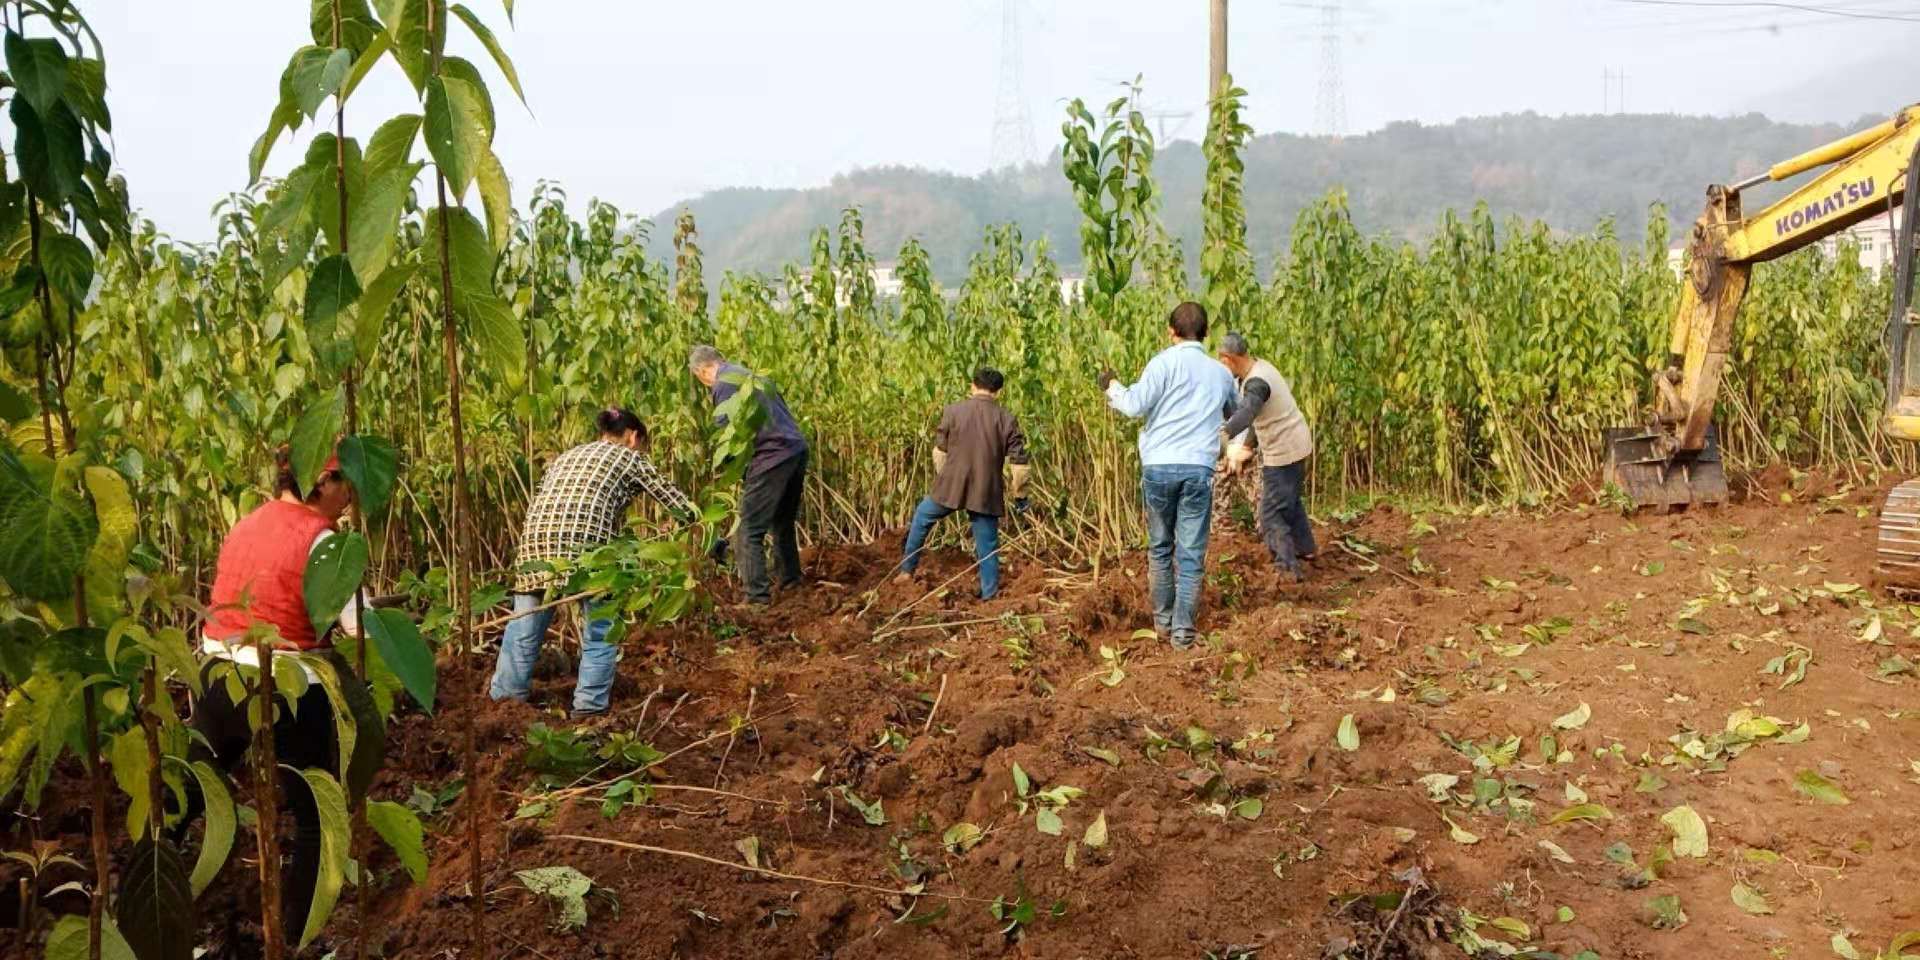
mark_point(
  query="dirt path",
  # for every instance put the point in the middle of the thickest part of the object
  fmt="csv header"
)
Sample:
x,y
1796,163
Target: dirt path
x,y
1603,668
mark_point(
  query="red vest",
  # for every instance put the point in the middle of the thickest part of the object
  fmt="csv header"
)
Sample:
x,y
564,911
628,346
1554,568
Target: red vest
x,y
264,559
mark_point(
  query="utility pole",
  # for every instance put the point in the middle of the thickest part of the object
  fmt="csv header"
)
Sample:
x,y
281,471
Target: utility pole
x,y
1217,62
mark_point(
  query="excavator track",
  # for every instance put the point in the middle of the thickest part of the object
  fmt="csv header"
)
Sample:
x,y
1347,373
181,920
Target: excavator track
x,y
1897,561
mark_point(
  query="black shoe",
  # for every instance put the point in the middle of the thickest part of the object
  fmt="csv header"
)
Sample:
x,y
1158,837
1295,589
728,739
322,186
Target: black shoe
x,y
578,714
1183,639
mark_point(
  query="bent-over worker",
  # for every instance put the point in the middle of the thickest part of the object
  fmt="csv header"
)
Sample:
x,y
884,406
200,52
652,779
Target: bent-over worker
x,y
976,441
1269,419
775,478
582,497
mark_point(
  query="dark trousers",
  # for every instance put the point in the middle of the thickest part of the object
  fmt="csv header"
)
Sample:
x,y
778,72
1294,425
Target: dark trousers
x,y
770,506
1283,515
302,738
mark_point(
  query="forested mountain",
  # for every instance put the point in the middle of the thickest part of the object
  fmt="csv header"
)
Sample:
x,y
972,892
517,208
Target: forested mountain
x,y
1569,171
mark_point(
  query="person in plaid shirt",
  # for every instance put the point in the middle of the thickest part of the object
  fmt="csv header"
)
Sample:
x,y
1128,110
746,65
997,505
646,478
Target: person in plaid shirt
x,y
579,506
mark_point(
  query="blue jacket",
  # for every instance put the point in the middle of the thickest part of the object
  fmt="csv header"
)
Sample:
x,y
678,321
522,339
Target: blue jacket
x,y
779,437
1185,396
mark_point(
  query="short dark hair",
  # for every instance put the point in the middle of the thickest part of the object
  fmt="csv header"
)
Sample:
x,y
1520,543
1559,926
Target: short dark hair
x,y
1189,321
617,421
989,379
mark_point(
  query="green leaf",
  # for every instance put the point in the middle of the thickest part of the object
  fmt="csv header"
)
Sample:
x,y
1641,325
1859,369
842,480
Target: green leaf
x,y
155,905
1348,736
1458,833
375,219
496,198
1574,719
68,265
1664,913
336,840
370,464
333,573
47,526
283,117
1582,811
565,886
391,146
50,149
961,837
374,302
497,333
401,830
870,812
317,74
1249,809
1096,835
488,40
456,131
38,68
1022,785
1819,788
1689,831
106,569
1102,754
404,652
1750,900
1048,822
69,940
1897,947
331,289
217,842
313,437
363,64
1843,947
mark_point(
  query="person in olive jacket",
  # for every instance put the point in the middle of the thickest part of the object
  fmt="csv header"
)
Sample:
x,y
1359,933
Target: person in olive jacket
x,y
976,441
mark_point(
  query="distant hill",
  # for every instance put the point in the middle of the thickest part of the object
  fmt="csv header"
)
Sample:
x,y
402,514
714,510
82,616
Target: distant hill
x,y
1569,171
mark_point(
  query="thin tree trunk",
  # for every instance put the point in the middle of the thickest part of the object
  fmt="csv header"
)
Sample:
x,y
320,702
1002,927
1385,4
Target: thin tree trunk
x,y
476,799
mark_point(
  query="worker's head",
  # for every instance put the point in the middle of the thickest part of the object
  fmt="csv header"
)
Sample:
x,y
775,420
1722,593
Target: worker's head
x,y
988,380
620,425
705,363
328,496
1234,355
1188,321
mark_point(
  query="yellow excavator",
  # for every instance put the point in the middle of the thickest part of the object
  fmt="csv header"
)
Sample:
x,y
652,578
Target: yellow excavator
x,y
1674,462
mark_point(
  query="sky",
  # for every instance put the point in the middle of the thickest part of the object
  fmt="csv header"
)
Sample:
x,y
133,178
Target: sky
x,y
645,103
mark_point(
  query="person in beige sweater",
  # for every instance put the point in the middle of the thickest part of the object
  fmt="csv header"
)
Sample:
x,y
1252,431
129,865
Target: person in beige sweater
x,y
1269,419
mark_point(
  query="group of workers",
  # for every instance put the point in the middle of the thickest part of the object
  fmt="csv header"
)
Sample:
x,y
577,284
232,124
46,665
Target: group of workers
x,y
1188,401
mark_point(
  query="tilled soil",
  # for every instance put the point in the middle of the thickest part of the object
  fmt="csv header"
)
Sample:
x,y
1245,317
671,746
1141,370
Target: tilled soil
x,y
1596,665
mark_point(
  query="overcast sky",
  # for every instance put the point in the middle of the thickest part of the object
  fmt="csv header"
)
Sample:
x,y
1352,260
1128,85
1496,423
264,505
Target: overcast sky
x,y
644,103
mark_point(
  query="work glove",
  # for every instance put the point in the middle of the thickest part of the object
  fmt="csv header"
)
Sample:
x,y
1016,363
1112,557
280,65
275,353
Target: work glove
x,y
1021,507
1238,455
1107,377
939,461
718,552
1017,474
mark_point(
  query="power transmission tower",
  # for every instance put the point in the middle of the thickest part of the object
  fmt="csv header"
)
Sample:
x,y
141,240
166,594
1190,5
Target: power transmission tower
x,y
1330,108
1013,144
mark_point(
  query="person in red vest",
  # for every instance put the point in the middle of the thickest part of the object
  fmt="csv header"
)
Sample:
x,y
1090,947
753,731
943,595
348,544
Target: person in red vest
x,y
258,580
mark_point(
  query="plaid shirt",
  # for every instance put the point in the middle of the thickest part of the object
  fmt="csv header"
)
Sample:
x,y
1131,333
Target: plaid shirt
x,y
579,506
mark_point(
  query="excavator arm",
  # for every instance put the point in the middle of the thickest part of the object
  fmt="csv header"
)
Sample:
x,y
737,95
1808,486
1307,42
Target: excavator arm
x,y
1674,461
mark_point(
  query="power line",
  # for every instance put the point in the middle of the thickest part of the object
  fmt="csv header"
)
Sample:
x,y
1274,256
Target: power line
x,y
1013,143
1779,5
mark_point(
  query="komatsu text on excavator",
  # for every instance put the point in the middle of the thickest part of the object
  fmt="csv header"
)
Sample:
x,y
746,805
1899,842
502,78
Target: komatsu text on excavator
x,y
1674,461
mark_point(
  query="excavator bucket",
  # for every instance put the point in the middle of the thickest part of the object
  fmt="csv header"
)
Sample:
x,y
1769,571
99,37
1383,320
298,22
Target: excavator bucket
x,y
1651,480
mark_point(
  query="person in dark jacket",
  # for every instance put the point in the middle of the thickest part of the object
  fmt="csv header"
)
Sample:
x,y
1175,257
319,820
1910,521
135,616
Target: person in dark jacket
x,y
776,474
977,439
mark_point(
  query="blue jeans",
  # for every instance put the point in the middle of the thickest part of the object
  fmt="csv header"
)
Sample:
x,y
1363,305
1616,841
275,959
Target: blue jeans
x,y
986,542
513,673
1179,499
